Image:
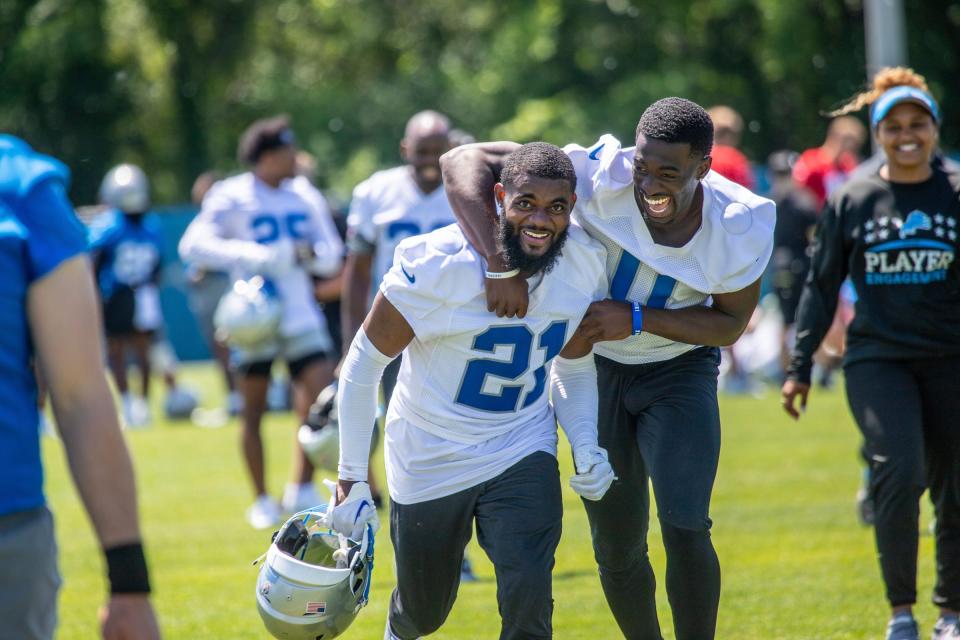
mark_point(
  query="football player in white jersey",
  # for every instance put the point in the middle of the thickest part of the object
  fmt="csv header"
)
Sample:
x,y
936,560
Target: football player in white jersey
x,y
685,252
470,436
260,223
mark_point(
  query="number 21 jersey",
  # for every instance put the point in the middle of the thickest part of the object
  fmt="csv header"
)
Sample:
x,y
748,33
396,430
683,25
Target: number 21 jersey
x,y
473,385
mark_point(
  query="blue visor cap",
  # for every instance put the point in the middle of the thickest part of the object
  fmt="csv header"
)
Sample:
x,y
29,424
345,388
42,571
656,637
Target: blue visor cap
x,y
899,95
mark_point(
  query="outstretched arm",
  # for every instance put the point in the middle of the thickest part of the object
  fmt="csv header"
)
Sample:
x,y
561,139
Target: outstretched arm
x,y
469,174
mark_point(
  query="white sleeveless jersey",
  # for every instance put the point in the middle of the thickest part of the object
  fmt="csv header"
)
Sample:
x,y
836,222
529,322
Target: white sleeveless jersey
x,y
729,251
243,209
471,396
388,207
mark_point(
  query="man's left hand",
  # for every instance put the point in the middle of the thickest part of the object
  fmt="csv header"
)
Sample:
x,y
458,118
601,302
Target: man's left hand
x,y
594,473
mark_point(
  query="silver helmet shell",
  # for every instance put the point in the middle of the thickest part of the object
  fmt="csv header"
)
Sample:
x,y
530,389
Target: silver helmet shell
x,y
126,187
313,582
248,315
320,436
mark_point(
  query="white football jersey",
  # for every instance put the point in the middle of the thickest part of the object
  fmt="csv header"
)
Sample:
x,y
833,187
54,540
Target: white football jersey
x,y
243,210
388,207
471,396
729,251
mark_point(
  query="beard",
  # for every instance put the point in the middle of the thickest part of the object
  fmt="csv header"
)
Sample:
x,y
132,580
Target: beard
x,y
528,265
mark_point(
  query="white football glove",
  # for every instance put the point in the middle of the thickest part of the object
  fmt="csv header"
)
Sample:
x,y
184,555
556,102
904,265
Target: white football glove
x,y
356,512
281,259
594,473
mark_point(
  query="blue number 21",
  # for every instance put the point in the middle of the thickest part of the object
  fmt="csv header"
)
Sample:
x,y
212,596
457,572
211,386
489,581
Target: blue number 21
x,y
520,338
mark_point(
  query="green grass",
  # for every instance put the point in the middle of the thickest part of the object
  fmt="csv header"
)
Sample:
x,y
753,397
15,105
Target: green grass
x,y
796,565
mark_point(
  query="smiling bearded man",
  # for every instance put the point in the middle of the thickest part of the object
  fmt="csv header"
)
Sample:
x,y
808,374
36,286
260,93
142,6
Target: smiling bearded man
x,y
470,436
685,252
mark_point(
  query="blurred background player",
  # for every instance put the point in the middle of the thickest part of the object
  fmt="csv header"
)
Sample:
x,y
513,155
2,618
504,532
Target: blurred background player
x,y
126,243
258,224
205,290
50,313
822,169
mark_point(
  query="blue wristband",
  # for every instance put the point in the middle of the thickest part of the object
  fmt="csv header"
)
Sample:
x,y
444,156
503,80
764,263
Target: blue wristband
x,y
637,319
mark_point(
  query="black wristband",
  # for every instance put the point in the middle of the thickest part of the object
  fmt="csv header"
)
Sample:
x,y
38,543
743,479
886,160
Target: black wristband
x,y
127,569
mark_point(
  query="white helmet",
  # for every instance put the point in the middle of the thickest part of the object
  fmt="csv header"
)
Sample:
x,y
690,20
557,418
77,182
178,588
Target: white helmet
x,y
127,188
313,582
248,315
180,403
320,435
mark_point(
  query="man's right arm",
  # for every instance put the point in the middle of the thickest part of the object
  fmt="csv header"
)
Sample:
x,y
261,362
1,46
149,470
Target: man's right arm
x,y
384,334
469,174
203,244
69,348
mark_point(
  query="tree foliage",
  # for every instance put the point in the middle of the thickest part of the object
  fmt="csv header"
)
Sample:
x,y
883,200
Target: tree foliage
x,y
171,83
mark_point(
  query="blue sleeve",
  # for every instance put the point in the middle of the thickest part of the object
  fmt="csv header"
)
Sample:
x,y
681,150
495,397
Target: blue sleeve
x,y
103,231
55,232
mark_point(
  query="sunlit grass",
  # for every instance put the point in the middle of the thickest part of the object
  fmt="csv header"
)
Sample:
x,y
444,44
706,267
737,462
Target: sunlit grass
x,y
796,565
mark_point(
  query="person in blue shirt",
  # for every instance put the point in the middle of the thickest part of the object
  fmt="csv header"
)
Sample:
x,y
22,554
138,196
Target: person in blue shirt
x,y
127,248
46,272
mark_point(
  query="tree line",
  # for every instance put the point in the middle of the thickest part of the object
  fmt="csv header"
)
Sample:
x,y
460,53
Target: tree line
x,y
169,84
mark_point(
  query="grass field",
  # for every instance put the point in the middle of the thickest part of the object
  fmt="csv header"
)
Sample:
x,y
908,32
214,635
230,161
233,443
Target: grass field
x,y
796,565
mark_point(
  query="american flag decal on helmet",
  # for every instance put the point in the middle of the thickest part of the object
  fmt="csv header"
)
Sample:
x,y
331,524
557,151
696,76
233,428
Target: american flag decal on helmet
x,y
315,608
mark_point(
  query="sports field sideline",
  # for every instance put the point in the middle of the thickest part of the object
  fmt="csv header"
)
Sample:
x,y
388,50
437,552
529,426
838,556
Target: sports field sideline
x,y
796,564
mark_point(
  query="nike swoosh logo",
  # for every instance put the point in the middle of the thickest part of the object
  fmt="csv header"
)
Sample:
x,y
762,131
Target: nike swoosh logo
x,y
411,278
595,154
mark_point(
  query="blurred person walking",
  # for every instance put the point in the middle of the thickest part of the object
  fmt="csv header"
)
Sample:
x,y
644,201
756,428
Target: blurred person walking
x,y
257,224
796,219
126,246
895,235
822,169
50,314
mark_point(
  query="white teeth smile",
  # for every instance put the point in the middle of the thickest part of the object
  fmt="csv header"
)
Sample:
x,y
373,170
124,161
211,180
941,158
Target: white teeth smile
x,y
913,146
539,235
657,204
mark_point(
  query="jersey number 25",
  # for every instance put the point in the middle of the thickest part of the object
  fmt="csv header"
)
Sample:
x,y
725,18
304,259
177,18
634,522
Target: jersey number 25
x,y
520,338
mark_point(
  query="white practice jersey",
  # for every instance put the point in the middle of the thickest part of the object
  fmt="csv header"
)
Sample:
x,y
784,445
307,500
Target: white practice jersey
x,y
729,251
242,212
471,396
388,207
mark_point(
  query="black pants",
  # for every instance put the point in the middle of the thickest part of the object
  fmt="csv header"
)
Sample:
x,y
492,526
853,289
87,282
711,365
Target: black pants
x,y
518,517
909,414
659,422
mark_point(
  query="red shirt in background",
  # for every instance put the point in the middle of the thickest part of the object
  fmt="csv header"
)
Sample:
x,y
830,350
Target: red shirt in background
x,y
732,165
821,174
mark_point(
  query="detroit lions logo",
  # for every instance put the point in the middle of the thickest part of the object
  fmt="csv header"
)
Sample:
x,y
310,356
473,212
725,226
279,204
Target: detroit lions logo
x,y
916,221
